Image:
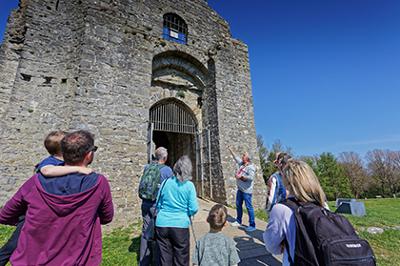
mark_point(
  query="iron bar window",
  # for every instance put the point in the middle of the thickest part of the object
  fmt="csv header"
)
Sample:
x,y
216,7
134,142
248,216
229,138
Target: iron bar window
x,y
175,28
171,117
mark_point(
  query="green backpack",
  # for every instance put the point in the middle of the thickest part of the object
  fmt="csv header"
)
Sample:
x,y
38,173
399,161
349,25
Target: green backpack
x,y
150,182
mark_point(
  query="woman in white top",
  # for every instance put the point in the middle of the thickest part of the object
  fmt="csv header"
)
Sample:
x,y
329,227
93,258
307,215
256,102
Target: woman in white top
x,y
303,185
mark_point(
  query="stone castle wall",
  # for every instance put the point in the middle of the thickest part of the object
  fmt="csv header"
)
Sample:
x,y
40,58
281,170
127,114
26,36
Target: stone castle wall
x,y
97,65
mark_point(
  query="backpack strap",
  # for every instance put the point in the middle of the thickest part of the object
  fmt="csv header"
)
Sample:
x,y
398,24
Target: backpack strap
x,y
161,166
160,192
292,204
301,230
291,262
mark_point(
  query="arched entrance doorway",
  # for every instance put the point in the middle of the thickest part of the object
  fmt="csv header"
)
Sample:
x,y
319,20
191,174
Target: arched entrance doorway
x,y
173,125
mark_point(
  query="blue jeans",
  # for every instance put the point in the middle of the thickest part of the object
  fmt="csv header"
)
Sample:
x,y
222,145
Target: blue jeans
x,y
246,197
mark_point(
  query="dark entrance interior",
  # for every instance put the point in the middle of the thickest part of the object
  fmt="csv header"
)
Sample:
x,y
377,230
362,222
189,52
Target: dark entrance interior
x,y
177,144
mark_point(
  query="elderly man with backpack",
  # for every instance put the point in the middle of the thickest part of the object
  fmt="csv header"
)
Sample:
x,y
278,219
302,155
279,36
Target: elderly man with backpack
x,y
153,175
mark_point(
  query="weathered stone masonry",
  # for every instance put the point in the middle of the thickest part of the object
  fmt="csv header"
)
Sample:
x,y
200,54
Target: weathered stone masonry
x,y
102,65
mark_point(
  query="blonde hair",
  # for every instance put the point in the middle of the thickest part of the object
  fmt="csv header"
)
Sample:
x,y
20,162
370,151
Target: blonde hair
x,y
302,182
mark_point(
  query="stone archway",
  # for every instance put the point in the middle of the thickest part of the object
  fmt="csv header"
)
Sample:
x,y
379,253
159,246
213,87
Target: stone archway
x,y
179,69
182,79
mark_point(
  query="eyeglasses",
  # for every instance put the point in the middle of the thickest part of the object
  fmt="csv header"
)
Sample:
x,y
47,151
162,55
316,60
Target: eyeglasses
x,y
93,149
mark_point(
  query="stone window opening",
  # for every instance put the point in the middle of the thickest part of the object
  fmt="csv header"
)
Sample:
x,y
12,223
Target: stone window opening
x,y
26,77
47,80
175,28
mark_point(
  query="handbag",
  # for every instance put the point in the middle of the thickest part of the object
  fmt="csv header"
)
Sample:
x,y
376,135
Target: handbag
x,y
149,233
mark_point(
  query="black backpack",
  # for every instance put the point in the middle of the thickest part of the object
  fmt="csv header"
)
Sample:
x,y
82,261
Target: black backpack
x,y
326,238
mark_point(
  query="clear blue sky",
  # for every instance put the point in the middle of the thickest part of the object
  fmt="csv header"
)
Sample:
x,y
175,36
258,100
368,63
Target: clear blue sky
x,y
326,74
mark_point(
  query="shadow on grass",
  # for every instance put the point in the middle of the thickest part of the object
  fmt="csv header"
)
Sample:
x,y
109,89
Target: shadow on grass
x,y
121,246
135,245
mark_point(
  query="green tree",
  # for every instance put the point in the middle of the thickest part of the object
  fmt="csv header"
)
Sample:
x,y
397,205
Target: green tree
x,y
262,152
332,177
355,171
265,158
384,167
311,161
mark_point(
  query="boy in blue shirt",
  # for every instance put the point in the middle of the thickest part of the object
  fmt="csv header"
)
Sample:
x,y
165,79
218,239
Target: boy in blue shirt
x,y
51,166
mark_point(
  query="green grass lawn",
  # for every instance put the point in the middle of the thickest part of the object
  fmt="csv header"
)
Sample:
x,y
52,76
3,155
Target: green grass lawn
x,y
121,246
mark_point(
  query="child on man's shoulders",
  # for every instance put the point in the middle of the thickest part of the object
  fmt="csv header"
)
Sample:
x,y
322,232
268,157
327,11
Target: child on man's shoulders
x,y
52,166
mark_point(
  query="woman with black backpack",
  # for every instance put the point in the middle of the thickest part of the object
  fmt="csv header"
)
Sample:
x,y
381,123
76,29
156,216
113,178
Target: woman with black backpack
x,y
305,231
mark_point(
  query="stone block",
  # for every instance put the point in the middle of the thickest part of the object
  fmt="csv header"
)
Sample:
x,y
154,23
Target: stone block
x,y
350,206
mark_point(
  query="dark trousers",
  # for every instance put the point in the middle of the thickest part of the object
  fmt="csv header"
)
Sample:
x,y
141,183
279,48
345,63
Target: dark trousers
x,y
7,250
148,248
174,246
246,197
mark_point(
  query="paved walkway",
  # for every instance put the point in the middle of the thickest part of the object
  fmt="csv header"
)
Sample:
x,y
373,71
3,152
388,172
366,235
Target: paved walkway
x,y
250,245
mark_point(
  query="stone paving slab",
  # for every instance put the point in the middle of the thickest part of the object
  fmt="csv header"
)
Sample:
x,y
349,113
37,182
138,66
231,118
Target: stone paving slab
x,y
250,245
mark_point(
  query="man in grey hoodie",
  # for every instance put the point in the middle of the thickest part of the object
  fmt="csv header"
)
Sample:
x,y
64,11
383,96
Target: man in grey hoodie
x,y
244,181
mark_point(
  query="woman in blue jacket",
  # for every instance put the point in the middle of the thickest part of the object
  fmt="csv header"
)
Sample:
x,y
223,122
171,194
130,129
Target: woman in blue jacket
x,y
177,201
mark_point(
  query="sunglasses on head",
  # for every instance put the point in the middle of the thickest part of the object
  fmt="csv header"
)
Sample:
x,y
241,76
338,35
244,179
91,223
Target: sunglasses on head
x,y
93,149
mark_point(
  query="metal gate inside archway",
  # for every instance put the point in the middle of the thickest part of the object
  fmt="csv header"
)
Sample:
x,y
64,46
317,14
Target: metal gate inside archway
x,y
173,125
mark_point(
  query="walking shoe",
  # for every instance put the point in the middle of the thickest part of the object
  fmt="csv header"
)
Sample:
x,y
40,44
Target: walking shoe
x,y
250,229
235,224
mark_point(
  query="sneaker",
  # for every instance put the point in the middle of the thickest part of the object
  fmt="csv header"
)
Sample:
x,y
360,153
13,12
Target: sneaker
x,y
236,224
250,229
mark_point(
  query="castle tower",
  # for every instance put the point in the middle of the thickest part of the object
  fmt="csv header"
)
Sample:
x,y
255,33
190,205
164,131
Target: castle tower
x,y
138,74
